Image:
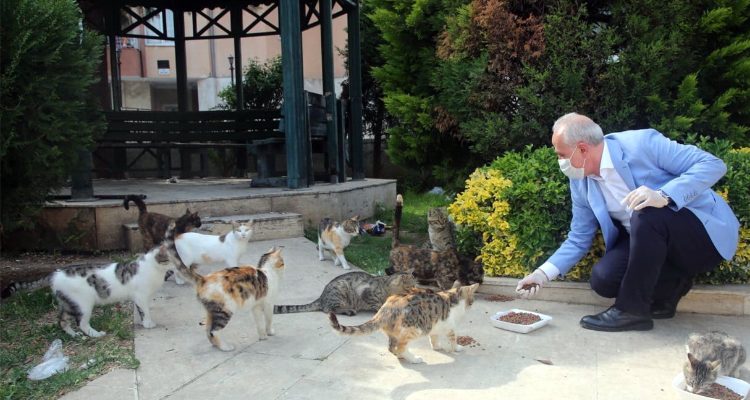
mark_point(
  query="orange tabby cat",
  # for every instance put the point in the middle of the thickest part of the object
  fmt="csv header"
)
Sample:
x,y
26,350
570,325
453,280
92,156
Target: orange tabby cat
x,y
334,237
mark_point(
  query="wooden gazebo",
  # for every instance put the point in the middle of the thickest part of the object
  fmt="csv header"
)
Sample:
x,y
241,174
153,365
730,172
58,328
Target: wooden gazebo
x,y
126,18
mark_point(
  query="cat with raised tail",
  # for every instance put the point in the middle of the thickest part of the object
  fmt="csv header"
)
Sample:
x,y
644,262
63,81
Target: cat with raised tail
x,y
406,317
223,292
709,355
79,288
154,225
211,250
431,267
333,237
352,292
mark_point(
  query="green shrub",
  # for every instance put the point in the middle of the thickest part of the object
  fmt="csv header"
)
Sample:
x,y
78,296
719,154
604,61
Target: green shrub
x,y
47,111
261,86
521,206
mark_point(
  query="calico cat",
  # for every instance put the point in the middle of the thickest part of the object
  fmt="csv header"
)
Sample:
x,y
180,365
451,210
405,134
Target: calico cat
x,y
153,225
223,292
354,291
404,318
709,355
441,230
430,266
205,249
79,288
334,237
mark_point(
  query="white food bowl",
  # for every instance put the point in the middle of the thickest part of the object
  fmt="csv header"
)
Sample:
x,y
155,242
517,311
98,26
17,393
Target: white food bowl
x,y
738,386
518,327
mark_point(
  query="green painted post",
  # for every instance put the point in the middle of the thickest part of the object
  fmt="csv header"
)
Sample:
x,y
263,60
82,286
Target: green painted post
x,y
329,91
355,93
180,59
294,99
236,27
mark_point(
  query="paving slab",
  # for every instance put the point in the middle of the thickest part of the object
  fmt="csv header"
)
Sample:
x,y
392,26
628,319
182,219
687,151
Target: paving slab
x,y
306,359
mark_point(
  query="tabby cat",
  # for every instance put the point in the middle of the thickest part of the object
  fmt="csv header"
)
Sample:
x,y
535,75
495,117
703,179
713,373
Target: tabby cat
x,y
334,237
709,355
431,266
441,230
154,225
404,318
223,292
354,291
79,288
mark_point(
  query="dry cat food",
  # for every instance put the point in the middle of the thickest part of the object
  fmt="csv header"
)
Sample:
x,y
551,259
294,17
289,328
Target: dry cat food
x,y
467,341
529,286
520,318
498,297
721,392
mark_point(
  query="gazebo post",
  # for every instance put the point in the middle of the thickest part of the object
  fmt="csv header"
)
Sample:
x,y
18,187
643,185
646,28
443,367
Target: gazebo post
x,y
236,27
355,92
180,55
294,100
329,90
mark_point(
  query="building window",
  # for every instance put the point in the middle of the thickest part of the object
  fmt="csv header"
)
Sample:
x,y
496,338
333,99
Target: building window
x,y
158,22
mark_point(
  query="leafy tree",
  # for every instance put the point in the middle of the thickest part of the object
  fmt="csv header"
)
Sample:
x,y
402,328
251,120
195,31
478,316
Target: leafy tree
x,y
261,86
47,65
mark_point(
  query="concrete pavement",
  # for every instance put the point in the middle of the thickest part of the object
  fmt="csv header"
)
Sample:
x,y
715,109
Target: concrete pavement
x,y
308,360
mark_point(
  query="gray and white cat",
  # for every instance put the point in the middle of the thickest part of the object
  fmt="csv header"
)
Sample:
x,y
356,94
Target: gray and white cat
x,y
709,355
354,291
79,288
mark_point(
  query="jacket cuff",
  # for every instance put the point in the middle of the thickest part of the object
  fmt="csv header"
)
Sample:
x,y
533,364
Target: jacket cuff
x,y
550,270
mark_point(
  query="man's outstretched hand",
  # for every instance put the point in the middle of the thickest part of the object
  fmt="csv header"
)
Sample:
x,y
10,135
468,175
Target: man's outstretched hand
x,y
531,284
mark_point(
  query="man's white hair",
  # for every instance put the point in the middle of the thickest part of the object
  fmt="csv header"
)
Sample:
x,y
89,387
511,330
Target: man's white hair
x,y
576,128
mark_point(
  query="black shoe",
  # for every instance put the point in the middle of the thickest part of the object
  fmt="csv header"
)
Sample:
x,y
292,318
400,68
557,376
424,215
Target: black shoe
x,y
615,320
665,309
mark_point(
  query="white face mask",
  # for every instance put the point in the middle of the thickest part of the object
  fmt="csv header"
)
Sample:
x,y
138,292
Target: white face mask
x,y
569,170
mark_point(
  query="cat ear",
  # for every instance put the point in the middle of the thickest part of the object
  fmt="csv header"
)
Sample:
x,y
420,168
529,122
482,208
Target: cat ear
x,y
715,365
355,218
693,360
456,284
187,211
235,225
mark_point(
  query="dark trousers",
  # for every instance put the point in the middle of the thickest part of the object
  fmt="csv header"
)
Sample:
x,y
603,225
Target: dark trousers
x,y
665,250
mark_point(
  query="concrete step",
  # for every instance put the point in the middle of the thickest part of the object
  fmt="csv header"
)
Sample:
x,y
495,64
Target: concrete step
x,y
702,299
266,226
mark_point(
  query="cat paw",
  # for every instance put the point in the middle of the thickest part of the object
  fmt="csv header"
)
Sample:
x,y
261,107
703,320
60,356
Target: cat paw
x,y
148,324
263,337
271,332
95,333
345,266
321,258
458,348
414,359
226,347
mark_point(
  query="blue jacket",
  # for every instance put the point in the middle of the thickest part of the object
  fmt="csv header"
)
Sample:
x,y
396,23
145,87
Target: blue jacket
x,y
647,158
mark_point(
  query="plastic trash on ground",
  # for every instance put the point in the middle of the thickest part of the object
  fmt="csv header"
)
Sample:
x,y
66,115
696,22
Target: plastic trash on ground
x,y
53,362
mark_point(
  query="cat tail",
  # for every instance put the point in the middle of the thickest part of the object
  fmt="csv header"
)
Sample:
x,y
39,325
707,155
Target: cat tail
x,y
288,309
16,287
397,220
169,238
368,327
135,199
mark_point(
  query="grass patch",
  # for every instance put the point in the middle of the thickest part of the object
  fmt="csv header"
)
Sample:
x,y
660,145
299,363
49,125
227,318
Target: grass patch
x,y
371,252
28,325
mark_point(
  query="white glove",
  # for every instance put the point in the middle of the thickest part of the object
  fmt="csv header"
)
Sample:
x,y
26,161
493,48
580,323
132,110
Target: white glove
x,y
533,282
644,197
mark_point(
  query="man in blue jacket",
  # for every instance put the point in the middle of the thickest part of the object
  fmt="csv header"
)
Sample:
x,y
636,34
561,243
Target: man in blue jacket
x,y
662,224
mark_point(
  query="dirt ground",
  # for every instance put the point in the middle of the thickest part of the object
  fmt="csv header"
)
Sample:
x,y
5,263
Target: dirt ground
x,y
31,266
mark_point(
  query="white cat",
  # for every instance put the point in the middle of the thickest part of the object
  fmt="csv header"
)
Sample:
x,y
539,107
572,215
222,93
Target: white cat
x,y
79,288
204,249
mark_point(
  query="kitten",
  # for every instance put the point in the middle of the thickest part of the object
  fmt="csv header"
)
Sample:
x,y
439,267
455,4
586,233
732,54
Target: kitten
x,y
334,237
419,313
709,355
354,291
441,230
153,225
204,249
431,266
223,292
79,288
